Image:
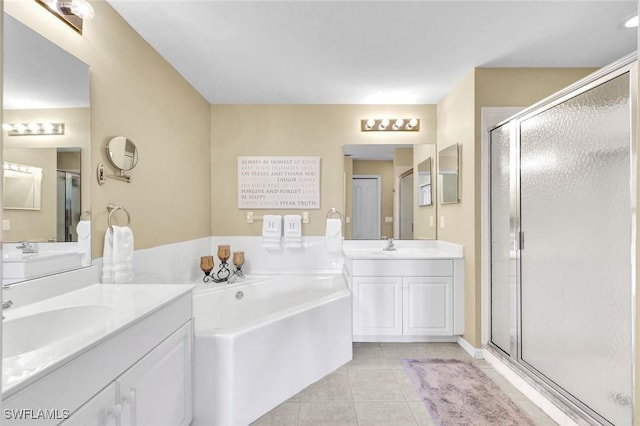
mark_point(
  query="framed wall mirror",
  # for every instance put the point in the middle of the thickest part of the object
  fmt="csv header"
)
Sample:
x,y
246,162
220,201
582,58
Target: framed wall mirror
x,y
381,181
424,193
448,172
34,100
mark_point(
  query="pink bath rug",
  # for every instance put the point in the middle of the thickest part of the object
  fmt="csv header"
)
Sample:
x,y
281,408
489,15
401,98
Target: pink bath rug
x,y
459,393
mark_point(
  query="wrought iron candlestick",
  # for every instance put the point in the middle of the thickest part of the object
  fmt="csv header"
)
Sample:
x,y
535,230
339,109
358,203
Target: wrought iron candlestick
x,y
223,272
238,261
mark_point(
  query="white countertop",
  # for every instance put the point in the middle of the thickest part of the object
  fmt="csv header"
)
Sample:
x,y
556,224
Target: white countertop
x,y
405,249
84,318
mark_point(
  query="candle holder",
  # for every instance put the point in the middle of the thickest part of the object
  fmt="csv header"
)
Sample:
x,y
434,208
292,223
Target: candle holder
x,y
238,261
223,272
206,265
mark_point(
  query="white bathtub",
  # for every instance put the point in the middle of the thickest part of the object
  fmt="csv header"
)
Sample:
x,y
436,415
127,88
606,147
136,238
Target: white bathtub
x,y
256,349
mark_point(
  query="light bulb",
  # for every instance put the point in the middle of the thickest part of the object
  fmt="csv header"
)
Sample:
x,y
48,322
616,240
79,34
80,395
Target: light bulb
x,y
82,9
398,124
370,123
384,124
631,22
47,127
33,127
7,127
412,123
19,127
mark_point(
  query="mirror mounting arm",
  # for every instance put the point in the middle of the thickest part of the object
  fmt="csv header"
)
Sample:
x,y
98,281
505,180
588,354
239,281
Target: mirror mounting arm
x,y
102,175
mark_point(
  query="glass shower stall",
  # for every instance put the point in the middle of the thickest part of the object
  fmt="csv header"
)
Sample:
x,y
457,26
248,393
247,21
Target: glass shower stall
x,y
563,206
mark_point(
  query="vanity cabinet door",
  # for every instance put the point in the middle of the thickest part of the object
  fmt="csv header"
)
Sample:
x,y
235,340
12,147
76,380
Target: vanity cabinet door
x,y
428,303
156,391
101,410
377,306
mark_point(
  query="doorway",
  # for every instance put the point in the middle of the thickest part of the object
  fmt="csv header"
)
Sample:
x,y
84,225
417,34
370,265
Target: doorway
x,y
366,207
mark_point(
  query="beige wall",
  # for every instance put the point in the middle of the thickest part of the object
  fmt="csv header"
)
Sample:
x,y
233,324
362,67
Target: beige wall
x,y
136,93
348,196
298,130
384,169
459,122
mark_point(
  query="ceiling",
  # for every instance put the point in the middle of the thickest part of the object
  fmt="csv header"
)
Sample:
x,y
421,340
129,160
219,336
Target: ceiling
x,y
369,52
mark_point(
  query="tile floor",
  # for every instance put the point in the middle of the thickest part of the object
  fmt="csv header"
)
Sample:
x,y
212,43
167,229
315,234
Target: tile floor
x,y
373,389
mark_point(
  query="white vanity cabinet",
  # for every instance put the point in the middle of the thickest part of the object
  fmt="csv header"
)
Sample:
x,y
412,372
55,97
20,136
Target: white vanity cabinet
x,y
139,375
156,391
402,299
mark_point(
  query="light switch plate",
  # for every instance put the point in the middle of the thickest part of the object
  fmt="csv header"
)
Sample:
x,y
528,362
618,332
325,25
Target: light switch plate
x,y
249,217
6,224
305,217
388,219
441,221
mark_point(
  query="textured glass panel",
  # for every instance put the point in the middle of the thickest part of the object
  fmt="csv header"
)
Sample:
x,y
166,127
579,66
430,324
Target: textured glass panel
x,y
576,262
501,278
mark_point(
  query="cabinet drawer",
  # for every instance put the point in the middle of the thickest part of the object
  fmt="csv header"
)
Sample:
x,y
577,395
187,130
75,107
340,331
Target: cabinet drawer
x,y
405,267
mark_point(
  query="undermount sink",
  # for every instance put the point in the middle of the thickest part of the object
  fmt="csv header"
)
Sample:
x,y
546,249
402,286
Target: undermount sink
x,y
32,332
23,266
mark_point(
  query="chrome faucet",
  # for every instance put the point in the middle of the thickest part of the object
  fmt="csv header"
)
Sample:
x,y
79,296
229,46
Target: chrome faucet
x,y
6,305
26,247
390,246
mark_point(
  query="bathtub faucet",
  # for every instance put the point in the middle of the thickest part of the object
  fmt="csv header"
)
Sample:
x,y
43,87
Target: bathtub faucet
x,y
26,247
390,246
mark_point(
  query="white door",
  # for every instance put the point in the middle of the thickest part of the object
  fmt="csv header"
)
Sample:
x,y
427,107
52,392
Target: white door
x,y
427,306
406,207
377,306
366,208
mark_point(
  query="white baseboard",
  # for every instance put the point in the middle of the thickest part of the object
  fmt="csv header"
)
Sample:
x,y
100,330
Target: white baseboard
x,y
474,352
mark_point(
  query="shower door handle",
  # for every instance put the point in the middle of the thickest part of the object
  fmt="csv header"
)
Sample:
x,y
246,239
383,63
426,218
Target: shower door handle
x,y
521,240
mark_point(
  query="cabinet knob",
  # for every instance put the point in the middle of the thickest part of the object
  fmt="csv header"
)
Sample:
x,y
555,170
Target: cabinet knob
x,y
129,397
115,411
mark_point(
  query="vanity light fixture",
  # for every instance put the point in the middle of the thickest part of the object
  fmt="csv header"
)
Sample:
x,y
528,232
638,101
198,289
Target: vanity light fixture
x,y
71,12
385,124
33,129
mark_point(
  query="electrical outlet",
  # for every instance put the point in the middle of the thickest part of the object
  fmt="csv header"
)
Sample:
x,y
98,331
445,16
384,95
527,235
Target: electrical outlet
x,y
441,221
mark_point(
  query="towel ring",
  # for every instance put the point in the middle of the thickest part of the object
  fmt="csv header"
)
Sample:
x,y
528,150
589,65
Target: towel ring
x,y
112,208
333,213
86,215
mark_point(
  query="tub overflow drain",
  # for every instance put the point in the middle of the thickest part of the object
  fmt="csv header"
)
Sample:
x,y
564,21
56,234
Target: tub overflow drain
x,y
239,295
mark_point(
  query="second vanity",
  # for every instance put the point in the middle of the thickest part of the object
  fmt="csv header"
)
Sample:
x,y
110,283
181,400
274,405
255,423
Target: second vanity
x,y
413,293
104,354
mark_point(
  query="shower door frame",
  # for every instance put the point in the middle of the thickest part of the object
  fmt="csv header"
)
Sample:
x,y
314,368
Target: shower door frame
x,y
627,64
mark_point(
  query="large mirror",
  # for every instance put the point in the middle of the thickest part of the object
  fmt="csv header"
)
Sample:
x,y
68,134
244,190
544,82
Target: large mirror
x,y
380,192
45,128
448,169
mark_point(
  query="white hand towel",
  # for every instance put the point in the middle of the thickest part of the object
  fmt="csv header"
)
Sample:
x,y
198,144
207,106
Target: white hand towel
x,y
122,255
117,258
292,231
272,231
333,235
107,258
83,228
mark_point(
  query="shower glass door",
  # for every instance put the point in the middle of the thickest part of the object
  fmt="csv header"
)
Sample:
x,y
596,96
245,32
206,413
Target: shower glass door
x,y
576,262
561,245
